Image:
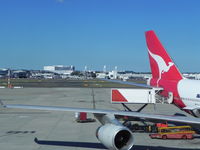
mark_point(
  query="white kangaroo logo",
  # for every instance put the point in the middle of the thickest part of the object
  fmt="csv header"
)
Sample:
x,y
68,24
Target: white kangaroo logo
x,y
162,66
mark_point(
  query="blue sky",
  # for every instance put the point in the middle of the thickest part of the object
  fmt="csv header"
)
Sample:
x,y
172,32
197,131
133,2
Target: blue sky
x,y
34,33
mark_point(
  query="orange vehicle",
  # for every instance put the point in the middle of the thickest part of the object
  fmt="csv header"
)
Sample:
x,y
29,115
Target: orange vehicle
x,y
177,132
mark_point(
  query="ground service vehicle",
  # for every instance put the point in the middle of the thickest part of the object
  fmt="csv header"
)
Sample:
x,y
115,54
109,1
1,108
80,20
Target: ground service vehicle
x,y
177,132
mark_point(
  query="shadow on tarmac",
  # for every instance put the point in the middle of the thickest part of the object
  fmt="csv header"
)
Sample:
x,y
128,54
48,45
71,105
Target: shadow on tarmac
x,y
100,146
70,144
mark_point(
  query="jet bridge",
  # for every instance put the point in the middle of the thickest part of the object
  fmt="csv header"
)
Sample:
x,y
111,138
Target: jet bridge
x,y
140,96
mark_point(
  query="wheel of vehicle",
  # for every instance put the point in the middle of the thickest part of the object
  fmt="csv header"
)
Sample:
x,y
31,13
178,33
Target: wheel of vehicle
x,y
164,137
184,137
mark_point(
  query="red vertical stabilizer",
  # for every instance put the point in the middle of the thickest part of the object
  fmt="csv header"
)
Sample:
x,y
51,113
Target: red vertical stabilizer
x,y
162,66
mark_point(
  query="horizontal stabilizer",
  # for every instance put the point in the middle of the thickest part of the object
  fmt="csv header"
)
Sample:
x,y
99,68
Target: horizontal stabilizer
x,y
127,83
191,108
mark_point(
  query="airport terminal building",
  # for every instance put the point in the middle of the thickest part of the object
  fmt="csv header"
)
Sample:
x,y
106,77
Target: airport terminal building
x,y
60,69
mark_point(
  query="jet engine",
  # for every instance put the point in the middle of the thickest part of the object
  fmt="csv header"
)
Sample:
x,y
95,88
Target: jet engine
x,y
115,137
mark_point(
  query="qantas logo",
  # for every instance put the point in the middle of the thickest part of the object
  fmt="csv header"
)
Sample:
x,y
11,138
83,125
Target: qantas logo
x,y
162,66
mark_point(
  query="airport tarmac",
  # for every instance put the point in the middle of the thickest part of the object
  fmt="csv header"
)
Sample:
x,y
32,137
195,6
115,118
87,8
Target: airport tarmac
x,y
45,130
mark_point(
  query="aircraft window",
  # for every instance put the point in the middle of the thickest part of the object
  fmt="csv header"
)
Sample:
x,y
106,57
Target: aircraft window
x,y
198,95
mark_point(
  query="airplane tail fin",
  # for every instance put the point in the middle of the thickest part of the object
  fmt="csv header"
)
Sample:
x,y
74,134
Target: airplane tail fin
x,y
162,66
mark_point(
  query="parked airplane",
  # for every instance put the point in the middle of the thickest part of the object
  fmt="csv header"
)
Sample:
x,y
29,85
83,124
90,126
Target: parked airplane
x,y
116,136
165,74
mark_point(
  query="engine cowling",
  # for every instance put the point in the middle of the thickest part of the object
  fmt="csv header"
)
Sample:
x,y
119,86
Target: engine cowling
x,y
115,137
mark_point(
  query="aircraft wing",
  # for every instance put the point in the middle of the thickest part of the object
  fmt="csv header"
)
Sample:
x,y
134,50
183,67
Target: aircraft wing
x,y
180,119
128,83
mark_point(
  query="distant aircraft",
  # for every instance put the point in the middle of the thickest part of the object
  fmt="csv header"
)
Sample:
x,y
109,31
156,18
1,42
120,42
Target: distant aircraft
x,y
165,74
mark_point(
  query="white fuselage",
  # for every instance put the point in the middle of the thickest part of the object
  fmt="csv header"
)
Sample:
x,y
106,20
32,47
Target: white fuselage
x,y
189,92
